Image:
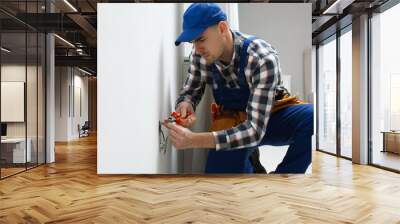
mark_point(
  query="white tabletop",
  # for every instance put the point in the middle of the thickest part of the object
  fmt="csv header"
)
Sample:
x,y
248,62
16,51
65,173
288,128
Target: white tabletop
x,y
13,140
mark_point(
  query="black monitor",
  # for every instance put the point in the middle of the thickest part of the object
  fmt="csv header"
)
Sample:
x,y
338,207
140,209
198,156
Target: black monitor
x,y
3,129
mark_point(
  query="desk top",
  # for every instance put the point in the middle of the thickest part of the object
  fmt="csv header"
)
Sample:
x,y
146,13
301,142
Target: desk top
x,y
13,140
391,132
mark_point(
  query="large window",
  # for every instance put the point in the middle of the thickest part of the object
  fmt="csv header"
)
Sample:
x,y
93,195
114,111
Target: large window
x,y
385,89
346,93
327,96
335,74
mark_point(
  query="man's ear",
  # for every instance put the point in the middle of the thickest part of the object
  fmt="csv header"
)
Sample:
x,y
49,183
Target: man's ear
x,y
223,27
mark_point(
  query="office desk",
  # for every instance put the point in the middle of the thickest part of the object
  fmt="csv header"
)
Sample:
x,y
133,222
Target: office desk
x,y
13,150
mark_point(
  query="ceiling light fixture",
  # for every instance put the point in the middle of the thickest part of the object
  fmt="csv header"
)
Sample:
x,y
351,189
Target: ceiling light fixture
x,y
337,7
70,5
84,71
329,9
5,50
64,40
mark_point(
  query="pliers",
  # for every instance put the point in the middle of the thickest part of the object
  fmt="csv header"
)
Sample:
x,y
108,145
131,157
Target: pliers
x,y
175,117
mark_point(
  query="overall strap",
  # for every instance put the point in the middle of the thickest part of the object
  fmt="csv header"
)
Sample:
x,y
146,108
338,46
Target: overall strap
x,y
244,59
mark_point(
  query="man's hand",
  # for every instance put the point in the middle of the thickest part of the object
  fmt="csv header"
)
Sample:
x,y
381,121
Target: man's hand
x,y
181,137
185,108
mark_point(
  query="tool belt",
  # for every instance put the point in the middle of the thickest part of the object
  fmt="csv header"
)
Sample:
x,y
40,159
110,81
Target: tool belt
x,y
286,101
223,119
283,99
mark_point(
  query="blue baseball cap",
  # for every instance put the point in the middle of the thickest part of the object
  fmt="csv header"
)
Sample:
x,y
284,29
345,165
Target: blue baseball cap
x,y
197,18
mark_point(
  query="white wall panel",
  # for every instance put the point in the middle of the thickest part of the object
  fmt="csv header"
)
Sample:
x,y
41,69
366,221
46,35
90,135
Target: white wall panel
x,y
137,77
12,101
286,27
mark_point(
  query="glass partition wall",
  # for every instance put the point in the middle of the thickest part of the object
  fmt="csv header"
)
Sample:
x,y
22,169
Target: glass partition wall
x,y
22,77
334,95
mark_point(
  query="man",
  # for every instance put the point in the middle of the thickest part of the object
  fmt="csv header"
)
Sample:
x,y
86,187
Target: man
x,y
244,73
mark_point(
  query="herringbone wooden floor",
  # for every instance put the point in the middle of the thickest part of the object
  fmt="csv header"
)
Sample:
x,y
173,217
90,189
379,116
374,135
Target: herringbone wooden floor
x,y
70,191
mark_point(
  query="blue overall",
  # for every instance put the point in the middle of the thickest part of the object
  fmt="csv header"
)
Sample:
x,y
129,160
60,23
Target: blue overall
x,y
292,126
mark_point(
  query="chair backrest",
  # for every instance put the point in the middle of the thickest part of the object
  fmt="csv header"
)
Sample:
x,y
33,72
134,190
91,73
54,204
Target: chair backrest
x,y
86,125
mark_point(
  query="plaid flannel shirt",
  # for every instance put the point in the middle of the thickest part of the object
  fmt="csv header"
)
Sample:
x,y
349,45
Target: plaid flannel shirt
x,y
263,75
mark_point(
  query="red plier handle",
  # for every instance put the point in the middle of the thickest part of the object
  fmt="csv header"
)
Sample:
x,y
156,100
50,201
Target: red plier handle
x,y
176,117
215,110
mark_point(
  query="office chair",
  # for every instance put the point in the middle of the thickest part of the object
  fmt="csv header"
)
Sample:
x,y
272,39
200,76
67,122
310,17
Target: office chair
x,y
84,130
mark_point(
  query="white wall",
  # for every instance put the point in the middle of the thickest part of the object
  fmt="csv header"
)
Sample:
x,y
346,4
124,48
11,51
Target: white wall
x,y
67,115
137,86
61,103
287,27
81,104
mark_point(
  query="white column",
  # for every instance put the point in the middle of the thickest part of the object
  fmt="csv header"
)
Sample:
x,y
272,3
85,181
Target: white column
x,y
360,90
50,99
